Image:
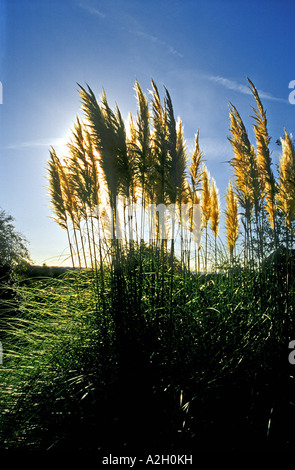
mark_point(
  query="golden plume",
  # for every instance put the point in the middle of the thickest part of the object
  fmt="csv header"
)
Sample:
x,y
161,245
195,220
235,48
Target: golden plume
x,y
206,196
267,180
231,219
286,181
55,190
195,167
215,209
206,205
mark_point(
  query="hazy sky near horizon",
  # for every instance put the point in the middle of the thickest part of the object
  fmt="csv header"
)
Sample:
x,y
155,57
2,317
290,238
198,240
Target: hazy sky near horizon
x,y
200,50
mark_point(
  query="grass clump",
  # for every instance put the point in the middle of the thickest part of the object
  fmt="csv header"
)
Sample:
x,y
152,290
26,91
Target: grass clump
x,y
124,373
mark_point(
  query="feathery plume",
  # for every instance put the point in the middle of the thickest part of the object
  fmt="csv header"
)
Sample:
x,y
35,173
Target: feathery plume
x,y
206,196
55,190
206,206
245,169
215,216
266,176
143,138
286,181
103,125
159,146
243,163
215,209
195,167
231,220
58,198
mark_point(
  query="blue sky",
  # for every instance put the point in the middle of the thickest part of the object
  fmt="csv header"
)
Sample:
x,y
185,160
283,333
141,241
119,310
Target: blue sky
x,y
201,51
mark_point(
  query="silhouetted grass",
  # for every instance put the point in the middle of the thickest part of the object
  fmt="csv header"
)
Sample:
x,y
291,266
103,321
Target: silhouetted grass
x,y
131,366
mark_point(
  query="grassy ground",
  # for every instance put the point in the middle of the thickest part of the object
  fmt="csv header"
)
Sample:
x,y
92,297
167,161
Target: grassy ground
x,y
140,359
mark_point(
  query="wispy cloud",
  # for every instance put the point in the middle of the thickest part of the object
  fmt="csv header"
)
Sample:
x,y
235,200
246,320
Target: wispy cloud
x,y
214,148
92,10
240,88
155,39
57,142
134,29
